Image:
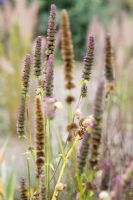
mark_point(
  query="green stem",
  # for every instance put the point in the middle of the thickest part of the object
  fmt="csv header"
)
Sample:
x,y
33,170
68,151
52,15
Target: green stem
x,y
55,194
48,158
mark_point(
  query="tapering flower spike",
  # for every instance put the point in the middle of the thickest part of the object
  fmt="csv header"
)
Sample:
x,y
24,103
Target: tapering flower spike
x,y
84,149
26,75
89,58
23,190
50,42
48,82
67,50
96,128
109,74
38,57
21,117
40,135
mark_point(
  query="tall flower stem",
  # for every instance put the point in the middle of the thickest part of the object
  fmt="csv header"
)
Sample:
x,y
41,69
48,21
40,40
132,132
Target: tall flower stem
x,y
55,194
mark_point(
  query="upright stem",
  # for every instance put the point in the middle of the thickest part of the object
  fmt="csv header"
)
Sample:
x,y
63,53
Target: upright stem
x,y
55,194
48,158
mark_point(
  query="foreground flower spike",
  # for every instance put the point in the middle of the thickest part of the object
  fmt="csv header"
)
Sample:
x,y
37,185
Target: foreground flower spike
x,y
38,57
23,190
21,117
89,58
39,138
84,149
50,42
96,128
67,50
42,192
108,60
48,82
26,75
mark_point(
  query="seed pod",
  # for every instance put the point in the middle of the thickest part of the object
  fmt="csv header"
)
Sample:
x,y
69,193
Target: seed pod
x,y
26,75
40,156
38,57
21,117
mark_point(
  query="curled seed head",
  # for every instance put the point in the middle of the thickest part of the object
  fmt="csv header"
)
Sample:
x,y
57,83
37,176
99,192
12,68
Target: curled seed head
x,y
39,138
38,57
23,190
89,58
108,60
21,117
67,50
26,75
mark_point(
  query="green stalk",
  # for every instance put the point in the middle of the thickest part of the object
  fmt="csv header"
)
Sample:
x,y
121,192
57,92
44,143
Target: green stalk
x,y
55,194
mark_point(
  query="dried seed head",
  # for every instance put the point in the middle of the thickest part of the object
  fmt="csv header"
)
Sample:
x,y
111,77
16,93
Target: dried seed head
x,y
60,187
40,156
89,58
48,82
67,50
38,57
70,99
21,117
23,190
50,42
96,128
26,75
108,60
71,128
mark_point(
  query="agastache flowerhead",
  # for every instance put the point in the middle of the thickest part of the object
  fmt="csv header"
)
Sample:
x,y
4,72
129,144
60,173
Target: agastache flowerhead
x,y
89,58
26,75
38,57
50,42
48,82
23,190
67,50
40,136
21,117
109,74
96,129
